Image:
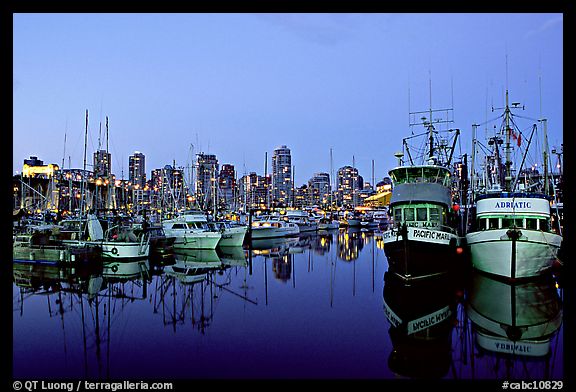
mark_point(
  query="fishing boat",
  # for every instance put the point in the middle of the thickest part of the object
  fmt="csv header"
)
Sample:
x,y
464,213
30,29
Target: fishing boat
x,y
272,227
423,241
512,235
302,219
515,318
191,231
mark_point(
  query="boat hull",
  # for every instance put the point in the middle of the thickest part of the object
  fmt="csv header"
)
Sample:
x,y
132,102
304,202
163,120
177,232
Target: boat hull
x,y
233,236
421,253
274,232
204,240
495,253
124,250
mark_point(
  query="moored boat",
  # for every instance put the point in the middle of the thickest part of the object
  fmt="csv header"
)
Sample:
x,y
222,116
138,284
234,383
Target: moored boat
x,y
302,219
272,227
191,231
512,235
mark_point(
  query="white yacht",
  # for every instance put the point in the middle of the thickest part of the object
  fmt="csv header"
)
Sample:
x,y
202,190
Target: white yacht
x,y
271,227
191,231
302,219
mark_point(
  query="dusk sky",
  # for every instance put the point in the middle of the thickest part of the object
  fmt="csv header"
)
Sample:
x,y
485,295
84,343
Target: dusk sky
x,y
240,85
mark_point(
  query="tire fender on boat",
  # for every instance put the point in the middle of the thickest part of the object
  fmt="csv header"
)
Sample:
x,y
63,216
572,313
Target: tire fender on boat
x,y
114,268
114,252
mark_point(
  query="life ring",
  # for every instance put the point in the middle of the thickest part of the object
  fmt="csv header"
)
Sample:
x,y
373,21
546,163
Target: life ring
x,y
114,268
114,251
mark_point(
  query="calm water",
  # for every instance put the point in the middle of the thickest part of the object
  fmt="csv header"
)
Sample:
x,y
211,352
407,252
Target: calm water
x,y
312,307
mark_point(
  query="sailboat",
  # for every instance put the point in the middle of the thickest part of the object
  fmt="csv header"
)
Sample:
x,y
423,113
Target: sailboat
x,y
512,235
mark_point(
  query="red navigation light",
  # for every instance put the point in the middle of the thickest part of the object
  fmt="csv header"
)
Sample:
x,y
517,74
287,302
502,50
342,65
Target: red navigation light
x,y
456,207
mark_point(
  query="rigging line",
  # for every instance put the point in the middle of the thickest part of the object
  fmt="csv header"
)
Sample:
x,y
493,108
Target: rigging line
x,y
491,120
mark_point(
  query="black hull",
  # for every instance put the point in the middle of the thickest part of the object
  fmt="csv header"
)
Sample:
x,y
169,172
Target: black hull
x,y
413,260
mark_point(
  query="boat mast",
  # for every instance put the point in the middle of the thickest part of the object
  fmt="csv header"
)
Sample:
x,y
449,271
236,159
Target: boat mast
x,y
430,126
507,148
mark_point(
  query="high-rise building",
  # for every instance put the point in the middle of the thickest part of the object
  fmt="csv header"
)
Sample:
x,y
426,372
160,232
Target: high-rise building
x,y
102,163
206,175
282,176
227,185
137,169
319,189
253,191
348,182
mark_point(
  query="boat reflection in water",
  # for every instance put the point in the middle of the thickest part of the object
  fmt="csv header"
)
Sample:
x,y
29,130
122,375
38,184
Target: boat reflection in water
x,y
421,316
193,265
514,319
232,256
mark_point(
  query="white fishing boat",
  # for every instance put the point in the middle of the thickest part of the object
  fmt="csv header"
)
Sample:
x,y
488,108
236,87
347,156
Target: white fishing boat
x,y
119,241
517,318
191,231
271,227
302,219
512,235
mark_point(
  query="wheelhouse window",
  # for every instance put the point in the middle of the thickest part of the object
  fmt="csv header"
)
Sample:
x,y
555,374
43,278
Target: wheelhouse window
x,y
398,215
531,224
408,214
493,223
435,214
421,214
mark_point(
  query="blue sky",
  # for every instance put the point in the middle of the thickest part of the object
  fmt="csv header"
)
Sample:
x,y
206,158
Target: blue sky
x,y
240,85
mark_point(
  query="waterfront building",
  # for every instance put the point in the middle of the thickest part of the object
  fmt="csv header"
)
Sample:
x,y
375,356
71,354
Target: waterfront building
x,y
282,186
137,169
206,175
38,185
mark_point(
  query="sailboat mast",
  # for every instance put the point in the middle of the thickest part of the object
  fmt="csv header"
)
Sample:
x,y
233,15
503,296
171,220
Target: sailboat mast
x,y
83,187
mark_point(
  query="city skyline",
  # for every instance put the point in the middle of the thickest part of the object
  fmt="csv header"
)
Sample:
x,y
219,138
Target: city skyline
x,y
240,85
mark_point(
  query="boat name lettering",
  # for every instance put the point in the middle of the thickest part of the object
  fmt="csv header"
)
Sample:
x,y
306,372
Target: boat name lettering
x,y
428,321
511,347
512,204
431,234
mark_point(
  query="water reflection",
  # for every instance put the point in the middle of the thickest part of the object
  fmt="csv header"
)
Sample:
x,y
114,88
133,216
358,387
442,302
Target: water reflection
x,y
329,296
421,316
515,324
